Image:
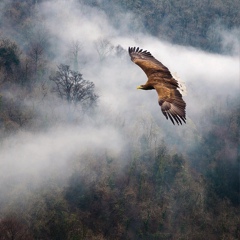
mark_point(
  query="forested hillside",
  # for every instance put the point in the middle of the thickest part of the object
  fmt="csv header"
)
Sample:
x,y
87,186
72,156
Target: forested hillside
x,y
84,155
207,24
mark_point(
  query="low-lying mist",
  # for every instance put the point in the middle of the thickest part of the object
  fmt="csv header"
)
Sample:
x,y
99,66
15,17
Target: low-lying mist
x,y
123,113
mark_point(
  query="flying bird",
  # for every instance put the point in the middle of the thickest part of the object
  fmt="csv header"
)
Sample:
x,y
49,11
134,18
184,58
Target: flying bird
x,y
160,79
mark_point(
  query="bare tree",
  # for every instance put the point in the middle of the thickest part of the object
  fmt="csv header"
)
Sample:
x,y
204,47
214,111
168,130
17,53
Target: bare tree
x,y
74,54
104,48
36,52
38,49
119,51
71,86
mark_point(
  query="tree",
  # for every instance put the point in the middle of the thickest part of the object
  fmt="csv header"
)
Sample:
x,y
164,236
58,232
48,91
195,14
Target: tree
x,y
71,86
9,55
104,48
74,54
13,229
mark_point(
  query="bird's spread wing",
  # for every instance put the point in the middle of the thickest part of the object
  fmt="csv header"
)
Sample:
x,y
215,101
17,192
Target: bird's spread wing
x,y
160,78
147,62
171,102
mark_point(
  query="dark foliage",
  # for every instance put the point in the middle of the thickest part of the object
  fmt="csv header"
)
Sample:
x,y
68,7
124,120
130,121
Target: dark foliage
x,y
218,156
9,55
12,228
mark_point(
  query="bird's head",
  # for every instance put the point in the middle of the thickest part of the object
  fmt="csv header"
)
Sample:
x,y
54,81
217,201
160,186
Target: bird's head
x,y
140,87
146,87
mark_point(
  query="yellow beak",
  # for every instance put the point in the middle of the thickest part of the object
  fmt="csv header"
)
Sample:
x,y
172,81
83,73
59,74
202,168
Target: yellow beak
x,y
139,87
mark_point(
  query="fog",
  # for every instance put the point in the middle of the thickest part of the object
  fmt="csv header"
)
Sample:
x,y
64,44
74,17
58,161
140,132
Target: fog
x,y
124,113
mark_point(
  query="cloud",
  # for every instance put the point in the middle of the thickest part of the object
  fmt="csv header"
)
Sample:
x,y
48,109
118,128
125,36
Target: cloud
x,y
207,76
226,38
41,153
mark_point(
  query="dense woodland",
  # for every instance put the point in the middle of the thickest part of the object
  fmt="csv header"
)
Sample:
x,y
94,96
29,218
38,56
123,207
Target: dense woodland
x,y
183,22
151,190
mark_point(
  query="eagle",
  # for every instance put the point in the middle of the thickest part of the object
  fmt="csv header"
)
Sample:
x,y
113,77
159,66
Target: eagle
x,y
159,78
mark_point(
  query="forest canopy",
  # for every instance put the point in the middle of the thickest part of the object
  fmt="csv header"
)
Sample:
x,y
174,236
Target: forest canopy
x,y
84,155
196,23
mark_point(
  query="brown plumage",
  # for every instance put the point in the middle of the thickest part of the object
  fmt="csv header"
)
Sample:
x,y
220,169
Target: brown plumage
x,y
160,79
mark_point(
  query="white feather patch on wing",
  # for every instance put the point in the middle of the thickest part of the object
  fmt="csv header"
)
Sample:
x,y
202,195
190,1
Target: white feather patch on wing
x,y
182,86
